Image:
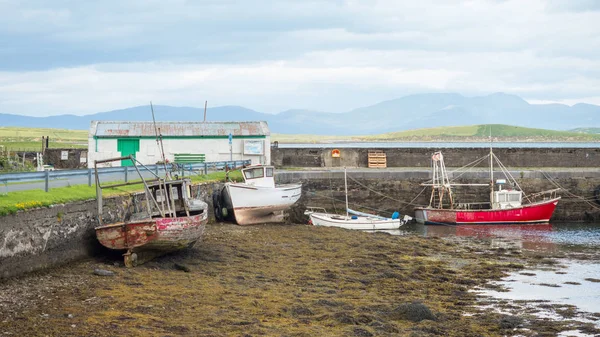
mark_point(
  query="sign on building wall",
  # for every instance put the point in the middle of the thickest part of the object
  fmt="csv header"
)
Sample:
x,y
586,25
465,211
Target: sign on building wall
x,y
254,147
64,155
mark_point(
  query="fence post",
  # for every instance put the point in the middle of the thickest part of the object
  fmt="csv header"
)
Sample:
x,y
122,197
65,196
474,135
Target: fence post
x,y
126,173
205,168
47,178
90,177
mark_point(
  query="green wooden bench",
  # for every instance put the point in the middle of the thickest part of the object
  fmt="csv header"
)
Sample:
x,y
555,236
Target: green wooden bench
x,y
189,158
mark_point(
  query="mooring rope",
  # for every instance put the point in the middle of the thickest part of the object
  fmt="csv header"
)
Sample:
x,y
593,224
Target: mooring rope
x,y
350,203
331,190
569,193
384,195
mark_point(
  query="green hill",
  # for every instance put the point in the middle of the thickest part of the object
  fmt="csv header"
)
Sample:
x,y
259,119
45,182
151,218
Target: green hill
x,y
586,130
499,132
482,132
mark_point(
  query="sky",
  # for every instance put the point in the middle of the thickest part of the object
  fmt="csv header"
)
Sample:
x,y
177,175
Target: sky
x,y
82,57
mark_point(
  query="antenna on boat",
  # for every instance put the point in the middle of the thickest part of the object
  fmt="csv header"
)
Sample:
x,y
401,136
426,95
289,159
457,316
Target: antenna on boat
x,y
346,190
159,142
491,170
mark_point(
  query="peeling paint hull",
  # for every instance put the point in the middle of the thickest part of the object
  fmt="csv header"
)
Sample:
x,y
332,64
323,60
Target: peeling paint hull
x,y
163,234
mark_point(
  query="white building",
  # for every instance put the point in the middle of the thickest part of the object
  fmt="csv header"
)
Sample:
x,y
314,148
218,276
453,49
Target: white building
x,y
182,141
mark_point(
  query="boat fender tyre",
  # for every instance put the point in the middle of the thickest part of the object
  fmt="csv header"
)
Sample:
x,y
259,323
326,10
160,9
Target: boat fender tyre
x,y
597,194
217,206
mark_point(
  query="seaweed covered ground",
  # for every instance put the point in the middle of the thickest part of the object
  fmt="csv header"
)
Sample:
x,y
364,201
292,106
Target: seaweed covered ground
x,y
277,280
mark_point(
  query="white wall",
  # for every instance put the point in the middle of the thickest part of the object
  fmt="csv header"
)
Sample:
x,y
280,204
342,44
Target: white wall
x,y
213,149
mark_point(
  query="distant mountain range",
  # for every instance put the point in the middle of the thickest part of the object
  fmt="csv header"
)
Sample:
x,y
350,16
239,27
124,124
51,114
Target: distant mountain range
x,y
406,113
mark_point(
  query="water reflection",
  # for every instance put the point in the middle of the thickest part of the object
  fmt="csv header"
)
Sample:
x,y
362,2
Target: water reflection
x,y
540,237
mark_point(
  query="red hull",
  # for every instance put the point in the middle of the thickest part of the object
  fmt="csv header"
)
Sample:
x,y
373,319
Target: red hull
x,y
156,234
533,213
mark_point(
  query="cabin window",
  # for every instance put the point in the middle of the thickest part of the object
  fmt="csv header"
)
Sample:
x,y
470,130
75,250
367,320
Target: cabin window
x,y
514,197
269,171
254,173
501,197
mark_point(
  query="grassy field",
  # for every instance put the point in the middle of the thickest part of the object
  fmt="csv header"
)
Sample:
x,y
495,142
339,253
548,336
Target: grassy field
x,y
454,133
587,130
30,139
14,201
472,132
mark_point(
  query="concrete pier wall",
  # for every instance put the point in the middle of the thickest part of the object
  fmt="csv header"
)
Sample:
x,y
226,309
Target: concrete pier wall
x,y
421,157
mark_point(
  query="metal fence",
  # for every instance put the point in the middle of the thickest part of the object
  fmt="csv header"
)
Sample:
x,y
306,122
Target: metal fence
x,y
60,178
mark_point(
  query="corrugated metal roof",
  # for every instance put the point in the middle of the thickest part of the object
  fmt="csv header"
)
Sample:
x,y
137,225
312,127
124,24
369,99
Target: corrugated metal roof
x,y
146,129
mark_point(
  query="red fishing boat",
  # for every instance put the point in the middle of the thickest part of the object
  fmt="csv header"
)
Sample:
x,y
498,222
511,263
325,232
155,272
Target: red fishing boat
x,y
167,219
506,206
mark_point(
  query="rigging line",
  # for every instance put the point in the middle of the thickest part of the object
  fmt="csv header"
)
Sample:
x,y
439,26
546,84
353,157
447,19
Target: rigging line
x,y
569,193
379,193
473,164
415,198
470,166
509,176
331,190
352,203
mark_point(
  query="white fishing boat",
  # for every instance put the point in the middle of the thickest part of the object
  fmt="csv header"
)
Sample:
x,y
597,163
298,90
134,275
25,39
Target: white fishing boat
x,y
354,219
256,200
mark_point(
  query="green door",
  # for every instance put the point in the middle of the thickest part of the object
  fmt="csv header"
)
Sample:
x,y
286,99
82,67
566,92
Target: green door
x,y
128,147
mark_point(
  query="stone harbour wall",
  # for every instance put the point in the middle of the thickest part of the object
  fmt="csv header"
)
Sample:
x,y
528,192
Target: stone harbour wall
x,y
421,157
385,192
47,237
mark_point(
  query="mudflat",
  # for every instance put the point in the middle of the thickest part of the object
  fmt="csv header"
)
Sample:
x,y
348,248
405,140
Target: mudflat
x,y
275,280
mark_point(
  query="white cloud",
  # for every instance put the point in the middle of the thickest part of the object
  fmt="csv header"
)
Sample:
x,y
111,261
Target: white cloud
x,y
85,57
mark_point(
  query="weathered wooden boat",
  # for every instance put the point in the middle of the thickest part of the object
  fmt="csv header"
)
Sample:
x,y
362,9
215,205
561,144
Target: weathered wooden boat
x,y
167,219
256,200
506,206
358,220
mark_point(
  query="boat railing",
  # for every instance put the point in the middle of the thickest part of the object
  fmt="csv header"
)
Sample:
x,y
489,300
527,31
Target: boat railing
x,y
544,195
310,209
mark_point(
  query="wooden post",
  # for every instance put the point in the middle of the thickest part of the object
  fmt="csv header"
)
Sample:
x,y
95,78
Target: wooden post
x,y
47,177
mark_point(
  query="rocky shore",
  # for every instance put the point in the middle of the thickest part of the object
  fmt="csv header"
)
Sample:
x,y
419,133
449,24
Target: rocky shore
x,y
281,280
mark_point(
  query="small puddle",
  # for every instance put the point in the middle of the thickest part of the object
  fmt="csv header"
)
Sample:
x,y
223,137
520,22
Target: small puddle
x,y
577,284
570,291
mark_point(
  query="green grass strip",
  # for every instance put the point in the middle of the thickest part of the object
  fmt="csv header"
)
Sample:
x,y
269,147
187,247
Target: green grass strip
x,y
13,202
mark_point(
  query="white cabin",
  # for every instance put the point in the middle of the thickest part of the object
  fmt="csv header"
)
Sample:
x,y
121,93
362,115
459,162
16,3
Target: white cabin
x,y
258,175
504,199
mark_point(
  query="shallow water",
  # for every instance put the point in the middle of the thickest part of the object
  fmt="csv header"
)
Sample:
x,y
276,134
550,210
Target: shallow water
x,y
557,237
551,286
580,241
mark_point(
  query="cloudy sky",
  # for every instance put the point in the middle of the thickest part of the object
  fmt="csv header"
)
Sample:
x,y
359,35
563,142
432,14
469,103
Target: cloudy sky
x,y
82,57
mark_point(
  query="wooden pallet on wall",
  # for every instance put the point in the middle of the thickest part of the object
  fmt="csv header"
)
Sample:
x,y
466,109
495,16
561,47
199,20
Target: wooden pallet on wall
x,y
377,159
